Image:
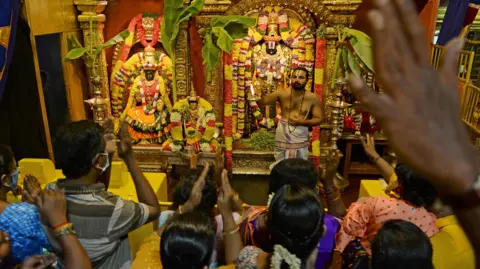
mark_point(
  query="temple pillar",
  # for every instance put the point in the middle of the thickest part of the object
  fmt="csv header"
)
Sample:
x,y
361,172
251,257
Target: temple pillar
x,y
92,22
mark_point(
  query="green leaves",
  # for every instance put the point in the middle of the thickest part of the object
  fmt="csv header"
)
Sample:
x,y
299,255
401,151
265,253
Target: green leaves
x,y
75,53
226,29
174,14
113,41
210,52
362,45
89,57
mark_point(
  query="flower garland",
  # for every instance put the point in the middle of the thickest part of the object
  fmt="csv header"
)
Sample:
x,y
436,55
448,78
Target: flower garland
x,y
280,255
199,136
235,54
318,90
227,113
156,32
244,65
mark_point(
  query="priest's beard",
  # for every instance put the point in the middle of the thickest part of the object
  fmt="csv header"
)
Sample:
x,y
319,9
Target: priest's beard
x,y
297,86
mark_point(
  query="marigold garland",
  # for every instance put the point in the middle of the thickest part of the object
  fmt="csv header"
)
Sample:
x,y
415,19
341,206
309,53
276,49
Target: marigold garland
x,y
227,119
318,90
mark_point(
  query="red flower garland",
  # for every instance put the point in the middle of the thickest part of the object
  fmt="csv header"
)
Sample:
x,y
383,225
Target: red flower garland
x,y
320,50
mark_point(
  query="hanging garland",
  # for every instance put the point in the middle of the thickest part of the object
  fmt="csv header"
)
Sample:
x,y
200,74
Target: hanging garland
x,y
227,119
318,90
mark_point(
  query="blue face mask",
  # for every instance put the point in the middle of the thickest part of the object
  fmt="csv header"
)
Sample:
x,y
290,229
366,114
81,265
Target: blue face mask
x,y
14,178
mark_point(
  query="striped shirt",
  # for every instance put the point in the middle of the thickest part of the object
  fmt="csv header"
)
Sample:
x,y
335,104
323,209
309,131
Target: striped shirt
x,y
102,222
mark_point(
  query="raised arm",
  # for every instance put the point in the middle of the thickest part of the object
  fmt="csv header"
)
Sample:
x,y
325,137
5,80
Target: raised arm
x,y
53,207
420,109
269,99
383,166
145,192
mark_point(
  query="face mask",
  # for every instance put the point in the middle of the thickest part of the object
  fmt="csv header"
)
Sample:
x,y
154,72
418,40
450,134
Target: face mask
x,y
14,178
107,161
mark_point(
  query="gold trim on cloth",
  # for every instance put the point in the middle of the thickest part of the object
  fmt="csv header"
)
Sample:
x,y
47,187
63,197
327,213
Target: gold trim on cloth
x,y
5,36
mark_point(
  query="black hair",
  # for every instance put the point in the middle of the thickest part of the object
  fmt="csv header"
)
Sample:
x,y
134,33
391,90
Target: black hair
x,y
6,160
188,241
295,220
76,144
184,189
415,188
292,171
301,68
401,244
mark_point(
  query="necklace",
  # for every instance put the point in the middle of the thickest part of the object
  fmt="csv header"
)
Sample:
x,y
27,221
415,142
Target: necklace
x,y
290,109
151,91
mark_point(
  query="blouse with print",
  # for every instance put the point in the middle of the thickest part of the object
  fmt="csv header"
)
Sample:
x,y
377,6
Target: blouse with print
x,y
364,219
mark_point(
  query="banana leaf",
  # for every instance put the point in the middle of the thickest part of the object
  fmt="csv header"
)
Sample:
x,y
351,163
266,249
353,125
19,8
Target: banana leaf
x,y
226,29
362,45
210,53
174,14
75,53
113,41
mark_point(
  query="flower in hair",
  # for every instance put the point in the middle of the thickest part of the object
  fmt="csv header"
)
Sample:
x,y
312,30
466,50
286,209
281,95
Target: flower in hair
x,y
281,254
270,197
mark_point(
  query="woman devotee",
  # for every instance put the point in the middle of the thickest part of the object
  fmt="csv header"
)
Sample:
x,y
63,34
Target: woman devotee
x,y
21,221
254,228
364,218
190,227
295,224
8,173
401,244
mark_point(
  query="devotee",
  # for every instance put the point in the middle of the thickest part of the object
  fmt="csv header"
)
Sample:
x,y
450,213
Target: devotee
x,y
102,220
297,171
386,170
183,201
295,225
8,173
364,218
21,221
419,110
401,244
301,109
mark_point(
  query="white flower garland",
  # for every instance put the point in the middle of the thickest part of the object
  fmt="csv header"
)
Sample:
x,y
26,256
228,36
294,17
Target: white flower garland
x,y
281,254
270,197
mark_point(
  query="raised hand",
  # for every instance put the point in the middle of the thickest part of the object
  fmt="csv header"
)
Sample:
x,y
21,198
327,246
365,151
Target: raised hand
x,y
109,136
196,194
31,189
38,261
420,110
331,166
124,144
225,200
52,206
368,143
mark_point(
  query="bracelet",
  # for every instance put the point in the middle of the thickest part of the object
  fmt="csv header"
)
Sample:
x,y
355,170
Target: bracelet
x,y
232,232
66,230
180,209
335,199
59,227
467,200
376,159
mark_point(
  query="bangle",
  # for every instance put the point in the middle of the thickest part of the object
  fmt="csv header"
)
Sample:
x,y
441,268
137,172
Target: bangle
x,y
60,225
232,232
65,230
180,209
335,199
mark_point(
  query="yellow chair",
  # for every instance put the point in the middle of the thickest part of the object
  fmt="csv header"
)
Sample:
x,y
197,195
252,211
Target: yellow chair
x,y
451,248
121,184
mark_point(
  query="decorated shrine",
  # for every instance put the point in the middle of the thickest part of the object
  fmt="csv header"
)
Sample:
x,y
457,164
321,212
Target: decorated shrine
x,y
180,73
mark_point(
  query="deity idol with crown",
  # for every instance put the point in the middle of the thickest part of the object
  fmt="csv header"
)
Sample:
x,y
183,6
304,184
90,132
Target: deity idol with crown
x,y
272,58
192,126
141,81
146,112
